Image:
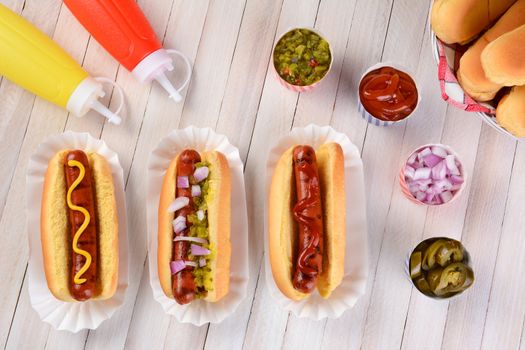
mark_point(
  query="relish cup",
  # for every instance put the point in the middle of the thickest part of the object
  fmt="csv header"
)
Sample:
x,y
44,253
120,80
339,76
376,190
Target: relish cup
x,y
300,88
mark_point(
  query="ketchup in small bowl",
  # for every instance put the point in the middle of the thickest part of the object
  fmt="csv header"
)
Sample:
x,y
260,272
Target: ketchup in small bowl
x,y
388,94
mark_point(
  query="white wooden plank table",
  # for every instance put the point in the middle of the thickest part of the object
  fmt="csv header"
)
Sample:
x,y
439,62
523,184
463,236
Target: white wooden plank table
x,y
233,91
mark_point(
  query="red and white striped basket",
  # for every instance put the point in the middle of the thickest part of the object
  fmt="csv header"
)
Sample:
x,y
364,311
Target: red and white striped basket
x,y
448,56
299,88
404,185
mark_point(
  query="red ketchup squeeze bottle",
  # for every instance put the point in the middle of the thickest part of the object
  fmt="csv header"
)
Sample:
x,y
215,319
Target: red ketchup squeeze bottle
x,y
122,29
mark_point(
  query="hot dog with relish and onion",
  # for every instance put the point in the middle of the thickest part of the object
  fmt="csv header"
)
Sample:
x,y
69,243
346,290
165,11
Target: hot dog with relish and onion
x,y
194,227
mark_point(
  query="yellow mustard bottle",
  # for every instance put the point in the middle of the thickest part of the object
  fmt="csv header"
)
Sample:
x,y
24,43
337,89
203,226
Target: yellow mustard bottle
x,y
32,60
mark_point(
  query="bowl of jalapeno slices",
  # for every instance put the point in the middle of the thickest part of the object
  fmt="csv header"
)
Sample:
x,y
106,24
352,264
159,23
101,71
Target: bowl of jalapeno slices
x,y
301,59
440,268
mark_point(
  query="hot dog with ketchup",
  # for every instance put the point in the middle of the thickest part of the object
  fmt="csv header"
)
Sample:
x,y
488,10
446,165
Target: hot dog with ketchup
x,y
79,227
307,221
194,227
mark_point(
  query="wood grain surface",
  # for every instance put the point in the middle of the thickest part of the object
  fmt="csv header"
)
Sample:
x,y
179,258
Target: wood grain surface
x,y
234,91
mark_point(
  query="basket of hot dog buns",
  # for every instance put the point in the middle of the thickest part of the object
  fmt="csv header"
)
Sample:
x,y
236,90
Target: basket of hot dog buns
x,y
197,226
316,235
480,48
78,263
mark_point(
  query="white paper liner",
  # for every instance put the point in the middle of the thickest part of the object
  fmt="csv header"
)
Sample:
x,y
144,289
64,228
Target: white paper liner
x,y
199,312
356,255
71,316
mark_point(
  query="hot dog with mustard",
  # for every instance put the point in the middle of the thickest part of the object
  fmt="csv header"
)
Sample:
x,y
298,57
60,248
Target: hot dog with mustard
x,y
79,227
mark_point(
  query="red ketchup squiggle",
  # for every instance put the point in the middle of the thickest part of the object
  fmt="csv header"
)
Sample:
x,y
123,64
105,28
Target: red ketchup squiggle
x,y
308,213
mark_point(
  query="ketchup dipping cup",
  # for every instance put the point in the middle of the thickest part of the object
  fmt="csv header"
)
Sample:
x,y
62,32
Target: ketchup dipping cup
x,y
433,175
387,94
301,50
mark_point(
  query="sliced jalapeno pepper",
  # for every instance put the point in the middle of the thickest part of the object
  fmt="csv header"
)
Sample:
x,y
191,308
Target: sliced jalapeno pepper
x,y
415,264
429,257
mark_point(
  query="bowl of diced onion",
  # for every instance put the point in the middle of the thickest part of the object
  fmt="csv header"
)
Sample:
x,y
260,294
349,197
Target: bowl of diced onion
x,y
432,175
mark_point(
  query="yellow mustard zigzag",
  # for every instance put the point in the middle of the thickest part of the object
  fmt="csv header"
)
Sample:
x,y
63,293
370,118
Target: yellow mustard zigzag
x,y
87,218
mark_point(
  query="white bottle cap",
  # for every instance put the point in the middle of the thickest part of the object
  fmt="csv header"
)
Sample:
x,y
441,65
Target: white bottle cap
x,y
85,97
154,67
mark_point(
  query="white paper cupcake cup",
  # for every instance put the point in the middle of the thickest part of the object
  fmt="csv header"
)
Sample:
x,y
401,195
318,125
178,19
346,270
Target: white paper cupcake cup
x,y
404,186
199,312
370,118
353,285
299,88
71,316
409,278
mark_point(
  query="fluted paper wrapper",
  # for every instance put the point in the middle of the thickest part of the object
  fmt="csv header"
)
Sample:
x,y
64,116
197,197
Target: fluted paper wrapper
x,y
70,316
199,312
355,276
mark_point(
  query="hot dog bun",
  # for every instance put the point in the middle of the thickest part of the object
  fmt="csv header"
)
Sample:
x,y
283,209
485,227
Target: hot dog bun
x,y
219,224
55,235
503,59
460,21
470,73
511,111
282,226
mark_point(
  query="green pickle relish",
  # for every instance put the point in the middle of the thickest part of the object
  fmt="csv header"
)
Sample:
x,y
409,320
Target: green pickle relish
x,y
199,228
302,57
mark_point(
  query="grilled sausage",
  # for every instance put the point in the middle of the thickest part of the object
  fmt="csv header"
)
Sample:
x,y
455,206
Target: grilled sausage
x,y
84,251
183,283
309,215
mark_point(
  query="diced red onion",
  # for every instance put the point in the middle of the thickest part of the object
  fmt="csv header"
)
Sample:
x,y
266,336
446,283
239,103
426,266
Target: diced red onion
x,y
198,250
456,180
443,184
433,175
190,263
183,182
439,171
200,215
422,154
201,173
412,158
195,190
202,262
422,173
451,164
413,188
456,187
178,203
418,165
176,266
423,186
191,239
432,160
439,151
409,172
179,224
420,196
446,196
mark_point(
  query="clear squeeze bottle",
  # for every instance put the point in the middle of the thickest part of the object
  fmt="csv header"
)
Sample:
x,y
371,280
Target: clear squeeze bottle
x,y
122,29
32,60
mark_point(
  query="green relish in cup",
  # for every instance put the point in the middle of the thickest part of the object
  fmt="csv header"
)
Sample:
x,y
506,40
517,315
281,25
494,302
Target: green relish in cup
x,y
302,57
